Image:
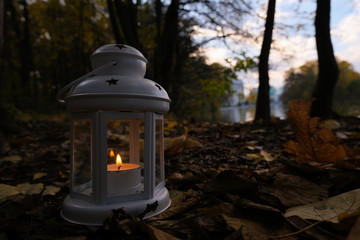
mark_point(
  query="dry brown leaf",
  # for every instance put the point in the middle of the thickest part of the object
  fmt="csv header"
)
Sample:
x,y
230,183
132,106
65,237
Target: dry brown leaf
x,y
6,191
334,209
178,144
268,157
30,189
161,235
13,159
51,190
315,143
355,231
293,190
39,175
330,124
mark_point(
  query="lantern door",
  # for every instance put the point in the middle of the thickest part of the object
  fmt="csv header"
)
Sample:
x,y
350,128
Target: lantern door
x,y
121,156
81,161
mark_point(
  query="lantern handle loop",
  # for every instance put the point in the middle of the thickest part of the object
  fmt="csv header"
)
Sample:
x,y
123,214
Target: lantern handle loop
x,y
77,81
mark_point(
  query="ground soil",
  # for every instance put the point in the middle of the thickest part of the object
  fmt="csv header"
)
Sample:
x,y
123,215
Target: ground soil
x,y
226,181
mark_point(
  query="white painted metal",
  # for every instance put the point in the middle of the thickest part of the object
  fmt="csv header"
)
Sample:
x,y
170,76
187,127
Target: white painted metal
x,y
116,91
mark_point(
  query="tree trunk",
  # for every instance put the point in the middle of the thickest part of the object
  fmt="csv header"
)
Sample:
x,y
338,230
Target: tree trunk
x,y
328,69
158,50
2,40
168,45
166,58
23,96
113,22
127,16
263,97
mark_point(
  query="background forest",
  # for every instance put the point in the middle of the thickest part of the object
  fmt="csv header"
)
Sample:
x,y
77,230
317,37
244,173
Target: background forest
x,y
47,44
299,84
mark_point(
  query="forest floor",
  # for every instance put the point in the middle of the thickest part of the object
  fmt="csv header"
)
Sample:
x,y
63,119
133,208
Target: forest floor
x,y
226,181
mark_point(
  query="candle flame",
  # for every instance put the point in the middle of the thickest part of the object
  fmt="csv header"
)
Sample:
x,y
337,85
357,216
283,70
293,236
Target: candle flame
x,y
118,160
112,154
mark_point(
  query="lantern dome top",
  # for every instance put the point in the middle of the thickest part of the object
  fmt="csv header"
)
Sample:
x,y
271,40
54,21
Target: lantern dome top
x,y
128,60
120,49
116,83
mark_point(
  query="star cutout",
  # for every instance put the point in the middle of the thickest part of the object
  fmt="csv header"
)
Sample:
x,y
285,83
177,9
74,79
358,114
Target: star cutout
x,y
120,46
112,81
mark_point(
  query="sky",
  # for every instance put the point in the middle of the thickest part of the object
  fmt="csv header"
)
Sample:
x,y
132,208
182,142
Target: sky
x,y
294,48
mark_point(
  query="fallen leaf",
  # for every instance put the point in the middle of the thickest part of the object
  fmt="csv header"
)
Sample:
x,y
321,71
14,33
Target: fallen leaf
x,y
294,191
178,178
63,174
39,175
308,229
180,202
65,145
333,209
6,191
230,182
314,143
263,155
235,223
355,231
51,190
13,159
170,124
341,135
178,144
30,189
203,227
330,124
253,155
161,235
267,156
224,208
192,142
255,207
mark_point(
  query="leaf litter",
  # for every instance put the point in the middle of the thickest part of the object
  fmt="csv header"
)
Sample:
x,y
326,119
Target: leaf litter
x,y
226,181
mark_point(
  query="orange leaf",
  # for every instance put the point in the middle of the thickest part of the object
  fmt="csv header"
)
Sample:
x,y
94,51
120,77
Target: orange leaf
x,y
315,143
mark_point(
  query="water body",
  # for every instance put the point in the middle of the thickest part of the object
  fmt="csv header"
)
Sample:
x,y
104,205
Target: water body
x,y
247,113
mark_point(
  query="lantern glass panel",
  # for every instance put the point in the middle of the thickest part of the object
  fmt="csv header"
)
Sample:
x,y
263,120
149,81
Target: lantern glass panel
x,y
125,161
159,162
81,163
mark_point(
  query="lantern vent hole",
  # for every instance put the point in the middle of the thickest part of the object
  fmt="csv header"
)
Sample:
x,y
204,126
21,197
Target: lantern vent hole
x,y
120,46
158,86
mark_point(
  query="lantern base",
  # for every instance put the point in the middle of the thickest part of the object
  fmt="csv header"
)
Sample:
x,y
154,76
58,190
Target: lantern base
x,y
83,212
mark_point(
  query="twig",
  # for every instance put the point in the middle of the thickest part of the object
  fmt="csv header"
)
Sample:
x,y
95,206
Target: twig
x,y
297,232
308,227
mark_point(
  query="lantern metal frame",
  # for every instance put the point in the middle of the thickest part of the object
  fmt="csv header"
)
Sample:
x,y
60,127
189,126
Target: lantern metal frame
x,y
120,102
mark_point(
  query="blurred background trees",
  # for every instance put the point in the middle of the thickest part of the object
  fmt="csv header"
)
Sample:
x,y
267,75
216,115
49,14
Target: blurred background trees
x,y
47,44
300,83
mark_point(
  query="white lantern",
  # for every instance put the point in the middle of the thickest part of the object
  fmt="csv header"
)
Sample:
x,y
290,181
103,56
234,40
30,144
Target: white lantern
x,y
116,153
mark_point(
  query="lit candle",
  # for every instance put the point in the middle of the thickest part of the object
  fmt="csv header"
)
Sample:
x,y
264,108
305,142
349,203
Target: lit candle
x,y
123,178
112,154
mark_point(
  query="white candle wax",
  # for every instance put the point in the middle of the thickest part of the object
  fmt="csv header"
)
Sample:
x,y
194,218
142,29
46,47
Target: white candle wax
x,y
123,180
